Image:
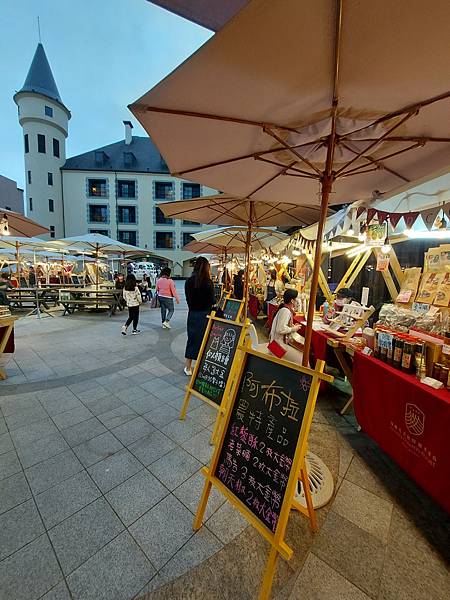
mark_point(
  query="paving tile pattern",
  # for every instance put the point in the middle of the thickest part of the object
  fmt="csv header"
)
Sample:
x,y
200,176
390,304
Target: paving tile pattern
x,y
100,481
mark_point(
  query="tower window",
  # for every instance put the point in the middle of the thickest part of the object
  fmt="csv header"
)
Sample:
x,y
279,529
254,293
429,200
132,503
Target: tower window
x,y
27,145
50,178
30,204
29,176
56,148
52,231
41,143
51,205
48,111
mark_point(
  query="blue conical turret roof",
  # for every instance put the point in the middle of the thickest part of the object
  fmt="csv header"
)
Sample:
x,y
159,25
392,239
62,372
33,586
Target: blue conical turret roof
x,y
40,77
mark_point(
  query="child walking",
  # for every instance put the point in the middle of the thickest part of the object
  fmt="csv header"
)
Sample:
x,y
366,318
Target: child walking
x,y
132,297
166,290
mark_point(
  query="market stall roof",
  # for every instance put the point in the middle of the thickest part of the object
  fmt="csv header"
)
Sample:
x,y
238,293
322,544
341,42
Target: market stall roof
x,y
14,242
212,14
19,225
232,237
226,209
99,243
256,123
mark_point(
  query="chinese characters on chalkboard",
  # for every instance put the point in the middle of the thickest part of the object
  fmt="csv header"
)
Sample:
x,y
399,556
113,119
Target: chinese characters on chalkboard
x,y
261,438
216,360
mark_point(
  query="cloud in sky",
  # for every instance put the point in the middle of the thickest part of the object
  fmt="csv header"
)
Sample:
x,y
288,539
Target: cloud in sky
x,y
103,53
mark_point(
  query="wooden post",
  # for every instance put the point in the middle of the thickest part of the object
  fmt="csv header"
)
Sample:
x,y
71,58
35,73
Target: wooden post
x,y
18,263
248,244
362,261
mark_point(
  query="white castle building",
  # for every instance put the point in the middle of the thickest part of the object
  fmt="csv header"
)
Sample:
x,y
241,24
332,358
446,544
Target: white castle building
x,y
111,190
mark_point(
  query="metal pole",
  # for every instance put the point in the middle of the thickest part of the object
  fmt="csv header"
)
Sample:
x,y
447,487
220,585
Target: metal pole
x,y
18,263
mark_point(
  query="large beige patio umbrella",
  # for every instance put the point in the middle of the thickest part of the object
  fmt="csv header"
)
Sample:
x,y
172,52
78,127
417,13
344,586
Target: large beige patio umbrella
x,y
310,102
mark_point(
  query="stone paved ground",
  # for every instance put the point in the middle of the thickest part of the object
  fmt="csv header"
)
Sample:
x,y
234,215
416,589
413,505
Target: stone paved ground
x,y
99,481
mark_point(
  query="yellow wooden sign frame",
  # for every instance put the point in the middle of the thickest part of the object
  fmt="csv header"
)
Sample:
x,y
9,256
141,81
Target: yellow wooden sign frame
x,y
298,470
239,313
190,391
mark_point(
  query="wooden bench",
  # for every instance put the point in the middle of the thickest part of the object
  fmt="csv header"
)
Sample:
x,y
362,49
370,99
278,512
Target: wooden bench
x,y
98,300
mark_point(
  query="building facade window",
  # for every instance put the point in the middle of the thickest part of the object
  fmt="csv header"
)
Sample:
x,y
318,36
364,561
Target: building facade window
x,y
97,188
164,240
56,148
26,143
41,143
128,237
51,205
126,188
126,214
50,178
190,223
100,231
30,204
48,111
98,213
191,190
164,190
160,219
187,237
52,231
29,176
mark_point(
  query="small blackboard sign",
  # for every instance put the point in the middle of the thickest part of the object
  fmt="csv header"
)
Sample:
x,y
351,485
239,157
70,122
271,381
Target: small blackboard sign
x,y
231,309
262,433
218,287
216,360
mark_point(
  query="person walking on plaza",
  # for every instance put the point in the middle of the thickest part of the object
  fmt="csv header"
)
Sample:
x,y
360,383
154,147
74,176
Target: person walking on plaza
x,y
166,291
132,297
238,285
199,290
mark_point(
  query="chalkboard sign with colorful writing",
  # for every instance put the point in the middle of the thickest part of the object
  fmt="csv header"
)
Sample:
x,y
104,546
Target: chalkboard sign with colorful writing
x,y
231,309
216,360
262,433
218,288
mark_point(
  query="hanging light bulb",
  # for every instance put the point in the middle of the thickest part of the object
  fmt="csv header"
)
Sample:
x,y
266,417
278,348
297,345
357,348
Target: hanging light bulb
x,y
296,252
386,247
4,227
350,232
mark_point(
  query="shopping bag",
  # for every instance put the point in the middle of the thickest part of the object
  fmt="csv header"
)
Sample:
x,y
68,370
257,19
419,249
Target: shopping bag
x,y
155,302
276,349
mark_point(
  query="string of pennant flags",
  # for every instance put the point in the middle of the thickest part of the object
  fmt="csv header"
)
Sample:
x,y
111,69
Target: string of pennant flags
x,y
366,215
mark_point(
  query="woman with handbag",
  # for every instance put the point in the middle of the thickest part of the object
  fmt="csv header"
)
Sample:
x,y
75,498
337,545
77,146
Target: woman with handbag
x,y
166,291
282,328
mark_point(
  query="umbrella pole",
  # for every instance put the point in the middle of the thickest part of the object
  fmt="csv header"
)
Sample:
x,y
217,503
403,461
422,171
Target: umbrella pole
x,y
18,263
326,189
248,243
97,267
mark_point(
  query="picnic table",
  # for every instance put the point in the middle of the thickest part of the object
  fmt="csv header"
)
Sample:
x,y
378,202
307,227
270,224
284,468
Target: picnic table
x,y
6,340
90,298
38,299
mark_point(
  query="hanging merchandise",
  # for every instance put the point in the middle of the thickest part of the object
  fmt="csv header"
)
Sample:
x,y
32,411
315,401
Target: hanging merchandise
x,y
383,262
376,234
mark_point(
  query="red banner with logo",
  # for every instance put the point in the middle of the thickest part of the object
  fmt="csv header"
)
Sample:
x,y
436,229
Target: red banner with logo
x,y
409,420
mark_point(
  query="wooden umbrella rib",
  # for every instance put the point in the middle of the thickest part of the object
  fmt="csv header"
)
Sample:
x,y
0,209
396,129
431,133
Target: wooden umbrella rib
x,y
382,165
360,171
201,115
292,168
412,108
289,148
283,170
400,138
374,143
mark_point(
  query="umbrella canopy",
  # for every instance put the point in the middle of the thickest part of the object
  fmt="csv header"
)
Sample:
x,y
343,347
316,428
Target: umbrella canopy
x,y
338,97
19,225
225,209
236,237
95,242
209,248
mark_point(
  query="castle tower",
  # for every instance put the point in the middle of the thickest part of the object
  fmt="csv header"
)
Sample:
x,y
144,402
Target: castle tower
x,y
44,120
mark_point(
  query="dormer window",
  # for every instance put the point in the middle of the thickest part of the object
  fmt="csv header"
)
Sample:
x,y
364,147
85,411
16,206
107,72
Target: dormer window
x,y
100,158
128,159
48,111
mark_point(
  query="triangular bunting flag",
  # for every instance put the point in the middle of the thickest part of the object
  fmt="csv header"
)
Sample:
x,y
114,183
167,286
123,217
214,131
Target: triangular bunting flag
x,y
429,216
410,218
382,216
447,210
370,214
360,210
394,218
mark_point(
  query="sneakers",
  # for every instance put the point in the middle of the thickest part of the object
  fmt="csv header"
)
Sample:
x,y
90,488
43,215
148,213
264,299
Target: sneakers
x,y
187,372
166,325
124,330
136,332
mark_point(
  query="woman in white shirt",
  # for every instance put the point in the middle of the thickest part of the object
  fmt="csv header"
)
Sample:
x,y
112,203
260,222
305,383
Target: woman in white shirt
x,y
283,326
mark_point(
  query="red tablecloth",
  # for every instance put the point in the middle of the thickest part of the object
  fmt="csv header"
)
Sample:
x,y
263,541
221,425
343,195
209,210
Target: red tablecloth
x,y
409,420
253,306
318,340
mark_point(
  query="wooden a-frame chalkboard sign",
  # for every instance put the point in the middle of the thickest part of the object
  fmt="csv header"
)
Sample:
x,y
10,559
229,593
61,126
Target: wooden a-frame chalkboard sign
x,y
261,447
213,376
232,309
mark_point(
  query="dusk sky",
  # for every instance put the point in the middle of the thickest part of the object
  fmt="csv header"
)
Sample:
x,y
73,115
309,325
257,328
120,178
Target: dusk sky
x,y
104,54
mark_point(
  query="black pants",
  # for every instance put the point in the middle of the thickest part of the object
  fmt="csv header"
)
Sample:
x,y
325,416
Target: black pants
x,y
133,315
